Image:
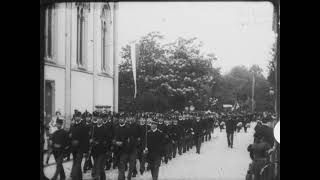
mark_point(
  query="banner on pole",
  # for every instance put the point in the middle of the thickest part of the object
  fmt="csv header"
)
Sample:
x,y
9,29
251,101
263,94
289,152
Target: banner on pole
x,y
134,57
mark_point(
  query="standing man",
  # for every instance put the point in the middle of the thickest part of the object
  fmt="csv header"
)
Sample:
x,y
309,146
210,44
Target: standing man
x,y
79,136
230,128
155,149
59,141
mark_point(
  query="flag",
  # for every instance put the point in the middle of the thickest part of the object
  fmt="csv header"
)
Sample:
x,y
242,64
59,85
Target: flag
x,y
134,56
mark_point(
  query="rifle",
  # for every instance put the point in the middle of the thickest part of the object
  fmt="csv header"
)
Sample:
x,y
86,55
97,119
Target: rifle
x,y
91,145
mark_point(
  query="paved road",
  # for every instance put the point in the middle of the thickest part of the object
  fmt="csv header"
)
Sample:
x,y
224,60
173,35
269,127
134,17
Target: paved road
x,y
216,161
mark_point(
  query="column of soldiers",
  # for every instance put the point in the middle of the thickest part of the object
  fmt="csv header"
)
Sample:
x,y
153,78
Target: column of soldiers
x,y
106,140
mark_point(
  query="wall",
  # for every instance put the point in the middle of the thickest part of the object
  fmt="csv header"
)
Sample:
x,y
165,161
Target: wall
x,y
60,33
104,91
81,91
58,76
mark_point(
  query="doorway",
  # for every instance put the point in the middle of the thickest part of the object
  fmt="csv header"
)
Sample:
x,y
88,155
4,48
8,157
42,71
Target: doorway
x,y
49,100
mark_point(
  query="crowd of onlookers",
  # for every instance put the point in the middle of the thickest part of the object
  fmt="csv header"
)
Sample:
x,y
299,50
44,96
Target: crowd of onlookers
x,y
265,150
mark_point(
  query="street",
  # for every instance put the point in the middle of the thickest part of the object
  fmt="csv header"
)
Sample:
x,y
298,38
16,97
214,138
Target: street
x,y
215,162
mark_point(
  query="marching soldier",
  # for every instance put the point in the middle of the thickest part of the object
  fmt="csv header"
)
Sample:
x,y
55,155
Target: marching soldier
x,y
109,127
116,149
155,149
79,136
134,128
142,133
101,140
180,134
125,140
175,137
167,132
198,130
188,131
89,126
60,142
230,128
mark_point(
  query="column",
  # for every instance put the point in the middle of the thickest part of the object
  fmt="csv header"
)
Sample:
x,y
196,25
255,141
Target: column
x,y
115,57
68,64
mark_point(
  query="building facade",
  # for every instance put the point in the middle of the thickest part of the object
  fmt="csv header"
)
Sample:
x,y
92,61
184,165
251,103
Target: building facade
x,y
80,57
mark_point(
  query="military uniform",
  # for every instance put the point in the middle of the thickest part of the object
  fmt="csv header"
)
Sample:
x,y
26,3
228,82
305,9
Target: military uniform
x,y
125,140
180,136
109,127
79,138
198,133
89,128
168,145
60,141
175,138
155,145
102,141
142,128
230,128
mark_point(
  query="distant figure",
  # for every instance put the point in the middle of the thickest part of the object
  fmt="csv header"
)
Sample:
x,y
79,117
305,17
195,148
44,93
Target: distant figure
x,y
230,128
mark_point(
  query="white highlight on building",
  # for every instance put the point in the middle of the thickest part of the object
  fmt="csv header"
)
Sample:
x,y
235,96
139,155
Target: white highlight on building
x,y
81,57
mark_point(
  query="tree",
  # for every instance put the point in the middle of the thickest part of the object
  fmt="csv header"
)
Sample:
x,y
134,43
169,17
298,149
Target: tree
x,y
169,75
236,86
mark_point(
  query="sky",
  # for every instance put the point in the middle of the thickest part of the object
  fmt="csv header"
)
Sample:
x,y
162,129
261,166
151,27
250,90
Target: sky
x,y
238,33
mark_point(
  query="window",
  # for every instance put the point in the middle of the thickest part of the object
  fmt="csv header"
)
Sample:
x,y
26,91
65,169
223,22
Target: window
x,y
49,33
81,34
105,40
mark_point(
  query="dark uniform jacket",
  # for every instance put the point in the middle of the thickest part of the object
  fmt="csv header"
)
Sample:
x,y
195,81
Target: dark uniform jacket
x,y
60,137
155,143
142,134
175,132
198,128
230,126
167,133
102,139
126,135
180,131
160,126
88,129
79,136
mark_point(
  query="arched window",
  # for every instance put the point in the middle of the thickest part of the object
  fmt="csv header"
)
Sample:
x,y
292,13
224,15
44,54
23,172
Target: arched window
x,y
105,40
82,9
49,32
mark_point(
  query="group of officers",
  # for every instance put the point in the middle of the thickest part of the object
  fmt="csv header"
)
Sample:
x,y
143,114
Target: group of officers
x,y
123,138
